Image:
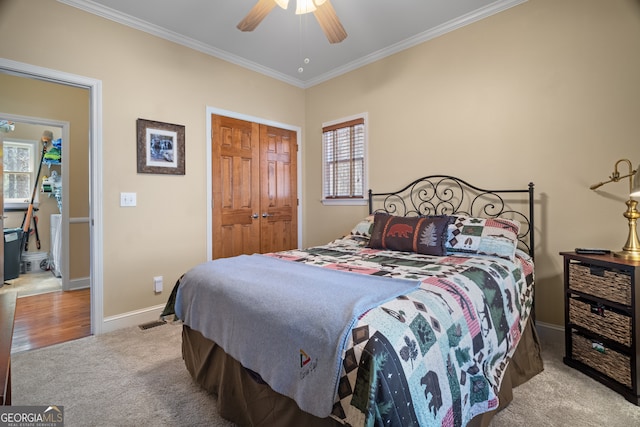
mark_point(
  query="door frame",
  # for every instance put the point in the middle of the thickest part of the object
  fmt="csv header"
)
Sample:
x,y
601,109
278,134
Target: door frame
x,y
95,171
240,116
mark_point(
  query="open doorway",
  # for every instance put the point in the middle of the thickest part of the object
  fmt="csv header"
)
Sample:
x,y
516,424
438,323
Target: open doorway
x,y
85,227
33,173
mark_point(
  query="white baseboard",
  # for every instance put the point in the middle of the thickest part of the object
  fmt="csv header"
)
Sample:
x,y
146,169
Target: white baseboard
x,y
150,314
76,284
557,328
549,332
132,318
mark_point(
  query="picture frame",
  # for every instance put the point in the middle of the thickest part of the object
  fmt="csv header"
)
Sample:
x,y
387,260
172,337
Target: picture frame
x,y
161,147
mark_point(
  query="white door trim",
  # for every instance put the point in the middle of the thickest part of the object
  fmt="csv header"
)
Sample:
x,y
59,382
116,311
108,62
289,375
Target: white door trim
x,y
262,121
95,184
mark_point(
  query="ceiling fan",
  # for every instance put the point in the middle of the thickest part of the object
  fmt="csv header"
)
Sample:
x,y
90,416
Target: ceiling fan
x,y
322,9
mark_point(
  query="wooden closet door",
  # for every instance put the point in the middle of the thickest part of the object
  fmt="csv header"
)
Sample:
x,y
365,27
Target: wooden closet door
x,y
235,186
254,185
278,189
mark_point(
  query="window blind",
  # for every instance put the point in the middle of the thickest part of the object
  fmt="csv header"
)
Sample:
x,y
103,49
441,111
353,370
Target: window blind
x,y
344,160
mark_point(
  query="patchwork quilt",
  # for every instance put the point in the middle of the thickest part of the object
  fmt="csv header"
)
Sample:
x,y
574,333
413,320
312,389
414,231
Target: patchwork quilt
x,y
434,356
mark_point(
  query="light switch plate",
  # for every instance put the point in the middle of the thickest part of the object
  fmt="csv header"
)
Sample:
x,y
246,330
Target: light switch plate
x,y
127,199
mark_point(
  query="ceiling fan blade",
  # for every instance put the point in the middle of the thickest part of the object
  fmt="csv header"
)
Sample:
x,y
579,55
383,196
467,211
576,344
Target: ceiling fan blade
x,y
329,22
256,15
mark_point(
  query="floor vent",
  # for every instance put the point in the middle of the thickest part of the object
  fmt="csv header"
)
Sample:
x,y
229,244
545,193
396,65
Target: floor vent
x,y
150,325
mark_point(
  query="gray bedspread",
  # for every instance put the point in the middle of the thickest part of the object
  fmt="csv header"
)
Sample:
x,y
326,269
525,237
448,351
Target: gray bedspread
x,y
290,326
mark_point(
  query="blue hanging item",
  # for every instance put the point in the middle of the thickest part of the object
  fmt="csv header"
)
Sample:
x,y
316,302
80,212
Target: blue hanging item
x,y
54,155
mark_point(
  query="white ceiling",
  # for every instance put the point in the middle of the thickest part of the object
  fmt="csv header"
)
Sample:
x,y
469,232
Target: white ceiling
x,y
279,45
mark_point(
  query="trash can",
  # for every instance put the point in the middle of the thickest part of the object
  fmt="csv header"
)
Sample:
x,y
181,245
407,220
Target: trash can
x,y
12,250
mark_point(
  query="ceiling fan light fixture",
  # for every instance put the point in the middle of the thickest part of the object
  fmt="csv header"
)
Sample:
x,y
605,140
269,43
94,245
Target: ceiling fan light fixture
x,y
323,11
304,6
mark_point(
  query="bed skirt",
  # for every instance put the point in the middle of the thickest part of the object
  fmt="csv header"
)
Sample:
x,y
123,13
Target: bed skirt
x,y
246,401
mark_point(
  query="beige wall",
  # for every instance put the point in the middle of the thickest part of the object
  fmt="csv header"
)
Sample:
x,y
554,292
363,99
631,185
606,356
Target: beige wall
x,y
144,77
548,91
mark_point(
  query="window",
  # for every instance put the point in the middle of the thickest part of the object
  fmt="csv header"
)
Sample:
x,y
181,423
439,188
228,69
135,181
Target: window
x,y
344,162
20,168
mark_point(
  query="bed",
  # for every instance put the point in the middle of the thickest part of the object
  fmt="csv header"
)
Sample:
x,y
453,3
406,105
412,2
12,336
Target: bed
x,y
421,315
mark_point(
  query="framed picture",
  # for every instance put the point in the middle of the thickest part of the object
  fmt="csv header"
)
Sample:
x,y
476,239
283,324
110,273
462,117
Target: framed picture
x,y
160,147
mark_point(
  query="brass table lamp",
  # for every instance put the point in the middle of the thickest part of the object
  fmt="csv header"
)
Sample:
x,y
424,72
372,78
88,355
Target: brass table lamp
x,y
631,249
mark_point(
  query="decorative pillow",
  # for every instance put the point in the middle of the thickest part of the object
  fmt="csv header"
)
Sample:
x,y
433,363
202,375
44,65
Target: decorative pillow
x,y
486,236
420,234
363,228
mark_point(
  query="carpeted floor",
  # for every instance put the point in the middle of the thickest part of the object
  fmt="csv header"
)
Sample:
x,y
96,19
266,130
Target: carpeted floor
x,y
135,377
564,397
130,377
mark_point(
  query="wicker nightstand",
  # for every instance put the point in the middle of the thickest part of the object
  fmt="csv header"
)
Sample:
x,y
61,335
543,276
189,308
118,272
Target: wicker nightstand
x,y
602,329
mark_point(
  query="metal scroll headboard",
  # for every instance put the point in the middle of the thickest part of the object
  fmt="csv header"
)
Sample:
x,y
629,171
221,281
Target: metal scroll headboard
x,y
448,195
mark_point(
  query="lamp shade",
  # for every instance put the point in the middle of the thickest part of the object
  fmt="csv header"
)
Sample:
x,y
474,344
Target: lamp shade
x,y
635,187
283,3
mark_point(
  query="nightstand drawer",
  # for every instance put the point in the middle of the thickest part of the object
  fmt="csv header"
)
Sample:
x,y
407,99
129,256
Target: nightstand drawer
x,y
610,284
601,320
613,364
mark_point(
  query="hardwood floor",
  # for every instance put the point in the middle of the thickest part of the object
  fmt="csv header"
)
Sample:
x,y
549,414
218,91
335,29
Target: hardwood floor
x,y
51,318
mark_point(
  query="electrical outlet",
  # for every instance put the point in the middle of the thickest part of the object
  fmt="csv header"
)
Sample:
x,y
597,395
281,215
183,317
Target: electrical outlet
x,y
157,284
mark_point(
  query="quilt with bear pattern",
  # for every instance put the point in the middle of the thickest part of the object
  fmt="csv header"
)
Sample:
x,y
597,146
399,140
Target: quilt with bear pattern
x,y
435,356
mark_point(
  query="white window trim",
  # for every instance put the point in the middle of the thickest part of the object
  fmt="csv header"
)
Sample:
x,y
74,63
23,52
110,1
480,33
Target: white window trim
x,y
36,156
365,185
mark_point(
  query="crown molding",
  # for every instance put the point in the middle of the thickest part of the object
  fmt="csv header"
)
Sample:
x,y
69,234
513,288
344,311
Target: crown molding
x,y
432,33
138,24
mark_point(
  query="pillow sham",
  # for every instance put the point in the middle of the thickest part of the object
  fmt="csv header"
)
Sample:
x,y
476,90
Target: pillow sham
x,y
485,236
363,228
420,234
